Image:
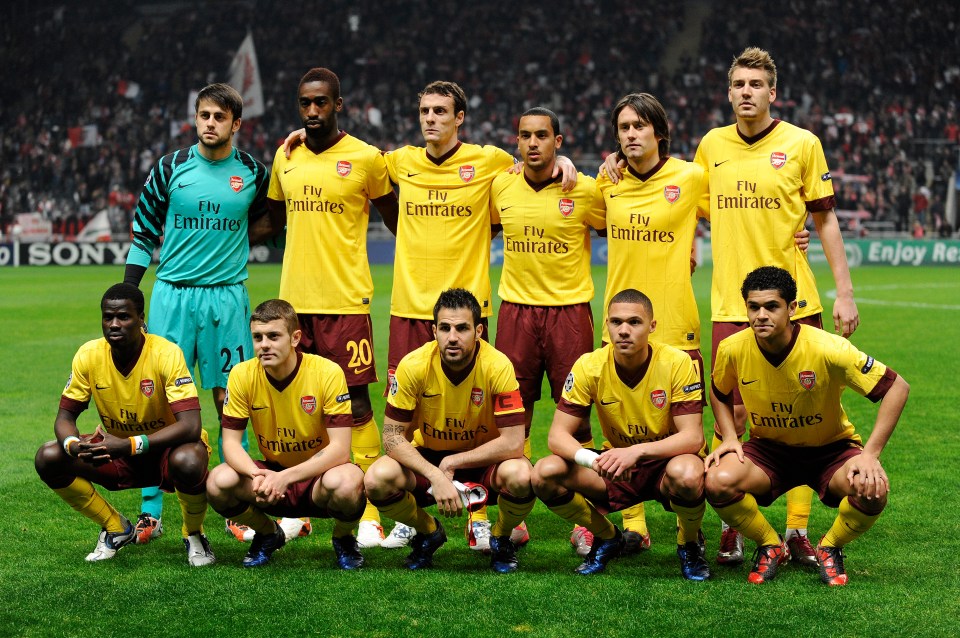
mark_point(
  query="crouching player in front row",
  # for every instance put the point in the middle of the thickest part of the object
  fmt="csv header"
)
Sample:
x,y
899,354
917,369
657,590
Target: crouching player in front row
x,y
649,404
462,396
790,377
300,409
149,432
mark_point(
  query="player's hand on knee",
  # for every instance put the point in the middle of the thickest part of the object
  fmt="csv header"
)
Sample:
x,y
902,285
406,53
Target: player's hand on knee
x,y
867,477
726,447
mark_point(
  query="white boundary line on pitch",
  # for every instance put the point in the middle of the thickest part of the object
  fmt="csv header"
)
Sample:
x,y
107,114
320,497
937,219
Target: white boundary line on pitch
x,y
832,294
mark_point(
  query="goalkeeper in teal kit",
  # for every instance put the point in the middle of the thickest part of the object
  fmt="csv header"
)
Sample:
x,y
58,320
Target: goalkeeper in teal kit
x,y
204,201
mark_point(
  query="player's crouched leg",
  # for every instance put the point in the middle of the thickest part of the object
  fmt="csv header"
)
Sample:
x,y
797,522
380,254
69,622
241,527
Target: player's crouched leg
x,y
512,479
187,465
683,483
340,490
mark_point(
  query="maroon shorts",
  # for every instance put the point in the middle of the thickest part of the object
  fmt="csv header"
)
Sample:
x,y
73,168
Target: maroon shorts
x,y
345,339
296,501
724,329
144,470
406,335
481,475
643,486
543,339
789,466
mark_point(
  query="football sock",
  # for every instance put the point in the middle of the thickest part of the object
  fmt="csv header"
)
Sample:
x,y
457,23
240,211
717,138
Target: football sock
x,y
579,511
345,527
512,512
849,524
527,450
151,501
404,510
745,517
689,518
256,520
365,445
481,514
81,496
635,519
194,510
798,507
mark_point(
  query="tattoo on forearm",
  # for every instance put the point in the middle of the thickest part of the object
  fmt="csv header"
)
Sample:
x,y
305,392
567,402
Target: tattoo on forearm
x,y
392,435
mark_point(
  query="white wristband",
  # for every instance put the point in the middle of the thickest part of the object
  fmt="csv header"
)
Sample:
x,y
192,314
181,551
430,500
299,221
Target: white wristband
x,y
585,457
67,441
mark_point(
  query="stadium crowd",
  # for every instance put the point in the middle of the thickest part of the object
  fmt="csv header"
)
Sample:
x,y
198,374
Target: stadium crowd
x,y
87,113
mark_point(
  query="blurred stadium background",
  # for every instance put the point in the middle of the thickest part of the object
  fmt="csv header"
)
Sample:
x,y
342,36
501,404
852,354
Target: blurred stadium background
x,y
95,92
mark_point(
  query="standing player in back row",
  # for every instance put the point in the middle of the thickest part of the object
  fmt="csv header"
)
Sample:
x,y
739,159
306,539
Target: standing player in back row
x,y
322,194
201,200
791,377
545,322
766,176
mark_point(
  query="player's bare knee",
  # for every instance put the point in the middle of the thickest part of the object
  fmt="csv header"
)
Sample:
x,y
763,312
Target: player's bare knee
x,y
50,457
721,484
382,478
547,474
869,506
188,463
685,477
221,481
515,476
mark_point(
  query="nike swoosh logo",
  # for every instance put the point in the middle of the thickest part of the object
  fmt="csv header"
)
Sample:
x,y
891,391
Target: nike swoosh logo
x,y
742,382
429,396
506,208
361,370
102,387
182,185
716,164
602,402
612,195
412,174
259,407
287,170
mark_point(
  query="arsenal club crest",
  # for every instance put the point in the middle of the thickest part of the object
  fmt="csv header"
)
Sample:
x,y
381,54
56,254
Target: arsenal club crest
x,y
476,397
566,206
808,379
236,183
671,193
309,404
343,168
147,387
658,398
778,159
467,172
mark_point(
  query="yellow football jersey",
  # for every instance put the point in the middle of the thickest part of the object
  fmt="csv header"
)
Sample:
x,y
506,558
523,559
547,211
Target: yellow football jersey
x,y
761,190
651,222
546,239
325,266
443,233
456,416
141,400
290,419
797,402
641,413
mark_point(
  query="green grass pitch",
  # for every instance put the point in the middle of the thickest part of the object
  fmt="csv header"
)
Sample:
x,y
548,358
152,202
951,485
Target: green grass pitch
x,y
905,579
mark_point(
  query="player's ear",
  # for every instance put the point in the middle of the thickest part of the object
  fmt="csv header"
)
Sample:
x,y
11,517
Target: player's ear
x,y
559,141
479,330
433,326
295,337
338,105
792,308
236,125
653,325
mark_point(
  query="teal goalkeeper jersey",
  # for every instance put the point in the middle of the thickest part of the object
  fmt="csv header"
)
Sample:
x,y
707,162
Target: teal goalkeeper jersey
x,y
202,210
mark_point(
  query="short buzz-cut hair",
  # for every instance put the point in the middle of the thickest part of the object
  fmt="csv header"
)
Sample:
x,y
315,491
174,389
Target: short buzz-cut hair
x,y
455,299
124,292
770,278
273,309
650,111
449,89
545,112
321,74
754,58
632,295
224,96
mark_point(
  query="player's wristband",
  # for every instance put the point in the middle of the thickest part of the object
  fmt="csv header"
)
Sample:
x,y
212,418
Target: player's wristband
x,y
139,444
67,441
585,457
